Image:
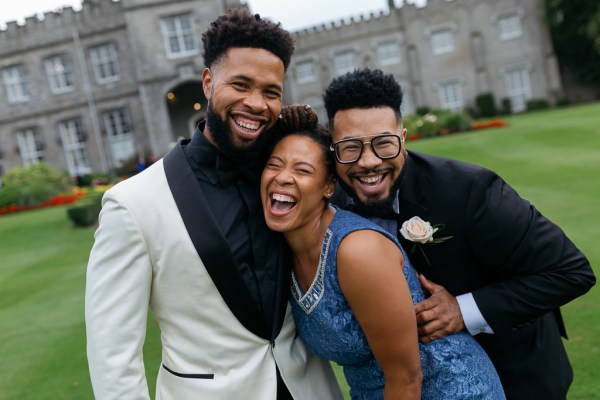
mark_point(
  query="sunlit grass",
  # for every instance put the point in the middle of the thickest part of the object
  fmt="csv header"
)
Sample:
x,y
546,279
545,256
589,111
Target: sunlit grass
x,y
552,158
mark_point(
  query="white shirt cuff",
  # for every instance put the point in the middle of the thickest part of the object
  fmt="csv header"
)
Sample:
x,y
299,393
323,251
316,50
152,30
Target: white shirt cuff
x,y
472,317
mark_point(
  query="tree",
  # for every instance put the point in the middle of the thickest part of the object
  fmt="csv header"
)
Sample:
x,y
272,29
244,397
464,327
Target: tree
x,y
575,30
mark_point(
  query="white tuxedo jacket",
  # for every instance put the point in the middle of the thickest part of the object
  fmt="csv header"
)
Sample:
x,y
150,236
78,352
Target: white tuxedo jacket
x,y
156,246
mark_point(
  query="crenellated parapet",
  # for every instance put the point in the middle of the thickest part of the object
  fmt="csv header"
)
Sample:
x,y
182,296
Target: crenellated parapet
x,y
346,29
94,15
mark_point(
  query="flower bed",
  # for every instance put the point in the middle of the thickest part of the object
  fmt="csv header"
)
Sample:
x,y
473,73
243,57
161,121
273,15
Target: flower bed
x,y
441,123
493,123
58,200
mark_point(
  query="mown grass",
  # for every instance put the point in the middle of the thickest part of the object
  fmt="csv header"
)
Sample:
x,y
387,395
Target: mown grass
x,y
551,157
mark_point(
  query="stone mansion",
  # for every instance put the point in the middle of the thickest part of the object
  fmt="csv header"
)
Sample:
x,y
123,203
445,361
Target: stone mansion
x,y
84,90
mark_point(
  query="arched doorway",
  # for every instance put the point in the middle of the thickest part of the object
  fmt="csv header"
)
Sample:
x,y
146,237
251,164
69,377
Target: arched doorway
x,y
185,102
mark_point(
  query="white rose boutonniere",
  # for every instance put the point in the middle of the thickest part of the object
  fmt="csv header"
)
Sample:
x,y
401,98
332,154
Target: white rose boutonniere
x,y
421,232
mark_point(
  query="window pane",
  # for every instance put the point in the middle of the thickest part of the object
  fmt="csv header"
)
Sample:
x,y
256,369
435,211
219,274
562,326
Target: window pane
x,y
189,42
451,96
388,53
174,44
74,143
120,134
30,146
58,71
305,72
442,41
105,63
15,84
185,22
345,62
510,27
518,89
179,35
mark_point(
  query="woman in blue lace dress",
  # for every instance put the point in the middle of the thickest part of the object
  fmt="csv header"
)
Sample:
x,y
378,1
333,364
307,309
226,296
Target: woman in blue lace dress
x,y
353,287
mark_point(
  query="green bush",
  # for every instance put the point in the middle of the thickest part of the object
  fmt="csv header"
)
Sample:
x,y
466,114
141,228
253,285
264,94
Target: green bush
x,y
456,122
36,193
29,186
84,213
437,122
9,196
34,174
562,101
506,106
537,104
486,105
472,112
422,110
95,178
427,125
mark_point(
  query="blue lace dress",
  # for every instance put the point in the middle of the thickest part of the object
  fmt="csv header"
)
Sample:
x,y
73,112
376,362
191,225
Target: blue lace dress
x,y
454,368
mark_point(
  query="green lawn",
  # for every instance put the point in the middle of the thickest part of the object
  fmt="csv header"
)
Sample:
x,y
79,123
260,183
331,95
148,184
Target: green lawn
x,y
551,157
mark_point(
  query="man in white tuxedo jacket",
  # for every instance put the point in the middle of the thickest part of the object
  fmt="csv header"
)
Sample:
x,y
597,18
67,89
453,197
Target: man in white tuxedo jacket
x,y
187,238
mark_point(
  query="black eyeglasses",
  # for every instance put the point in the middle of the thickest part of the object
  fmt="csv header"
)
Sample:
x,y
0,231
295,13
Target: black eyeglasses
x,y
385,146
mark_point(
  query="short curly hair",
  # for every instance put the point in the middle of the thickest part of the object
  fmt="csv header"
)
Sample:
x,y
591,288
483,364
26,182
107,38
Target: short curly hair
x,y
302,120
238,28
362,88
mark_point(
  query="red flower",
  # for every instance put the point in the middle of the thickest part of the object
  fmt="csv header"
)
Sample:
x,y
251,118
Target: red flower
x,y
494,123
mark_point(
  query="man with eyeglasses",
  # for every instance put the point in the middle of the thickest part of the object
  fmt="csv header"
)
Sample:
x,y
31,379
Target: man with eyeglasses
x,y
502,271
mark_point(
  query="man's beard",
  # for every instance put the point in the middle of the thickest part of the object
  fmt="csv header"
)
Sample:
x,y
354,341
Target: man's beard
x,y
222,136
380,209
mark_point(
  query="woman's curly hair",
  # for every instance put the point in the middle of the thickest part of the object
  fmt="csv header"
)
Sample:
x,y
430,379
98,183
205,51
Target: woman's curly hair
x,y
301,119
239,28
362,88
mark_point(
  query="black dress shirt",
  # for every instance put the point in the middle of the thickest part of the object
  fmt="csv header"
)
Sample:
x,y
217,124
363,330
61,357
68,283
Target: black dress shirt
x,y
232,191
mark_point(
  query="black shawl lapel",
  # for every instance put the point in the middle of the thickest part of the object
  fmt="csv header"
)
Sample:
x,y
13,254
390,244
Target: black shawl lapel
x,y
411,194
210,243
410,201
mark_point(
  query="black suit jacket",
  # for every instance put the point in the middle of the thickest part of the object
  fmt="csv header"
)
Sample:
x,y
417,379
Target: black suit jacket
x,y
519,266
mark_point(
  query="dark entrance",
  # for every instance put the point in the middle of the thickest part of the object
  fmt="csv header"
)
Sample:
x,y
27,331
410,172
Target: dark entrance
x,y
186,105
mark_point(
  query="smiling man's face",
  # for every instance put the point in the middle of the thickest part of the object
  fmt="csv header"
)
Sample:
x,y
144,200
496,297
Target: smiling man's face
x,y
244,91
370,178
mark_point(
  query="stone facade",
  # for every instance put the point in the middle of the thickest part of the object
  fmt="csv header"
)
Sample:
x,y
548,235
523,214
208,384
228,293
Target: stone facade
x,y
444,55
83,90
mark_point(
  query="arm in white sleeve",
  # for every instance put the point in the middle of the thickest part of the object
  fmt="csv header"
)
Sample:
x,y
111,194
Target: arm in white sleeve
x,y
472,317
118,282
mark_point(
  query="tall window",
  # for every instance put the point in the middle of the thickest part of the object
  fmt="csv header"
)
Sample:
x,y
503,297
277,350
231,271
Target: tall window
x,y
305,71
442,41
74,142
120,135
31,147
451,97
15,84
518,89
510,26
345,62
59,70
105,63
388,53
179,35
407,107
